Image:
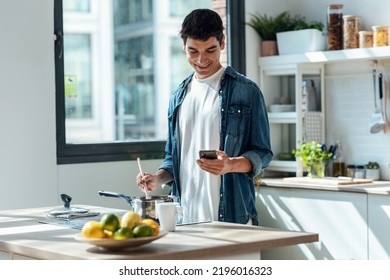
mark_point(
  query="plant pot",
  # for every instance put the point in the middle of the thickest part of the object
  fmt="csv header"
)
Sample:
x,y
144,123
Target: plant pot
x,y
300,41
373,174
269,48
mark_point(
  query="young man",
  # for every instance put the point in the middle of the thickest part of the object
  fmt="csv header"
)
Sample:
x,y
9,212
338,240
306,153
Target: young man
x,y
215,108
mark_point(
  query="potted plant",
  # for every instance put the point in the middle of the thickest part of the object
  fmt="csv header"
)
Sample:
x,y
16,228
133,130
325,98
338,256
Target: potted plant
x,y
300,36
314,157
267,27
284,33
372,170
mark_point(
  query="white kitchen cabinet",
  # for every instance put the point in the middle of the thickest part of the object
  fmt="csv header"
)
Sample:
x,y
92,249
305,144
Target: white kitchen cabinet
x,y
378,227
340,219
282,83
5,255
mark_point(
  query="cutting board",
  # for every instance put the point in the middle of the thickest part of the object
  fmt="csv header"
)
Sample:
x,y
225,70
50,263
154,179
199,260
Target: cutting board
x,y
328,180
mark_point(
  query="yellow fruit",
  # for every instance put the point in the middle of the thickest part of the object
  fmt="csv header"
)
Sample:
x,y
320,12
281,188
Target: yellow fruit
x,y
110,222
123,233
92,229
153,224
143,230
108,234
130,219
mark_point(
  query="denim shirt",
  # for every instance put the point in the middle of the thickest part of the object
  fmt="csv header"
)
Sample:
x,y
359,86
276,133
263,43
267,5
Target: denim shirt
x,y
244,131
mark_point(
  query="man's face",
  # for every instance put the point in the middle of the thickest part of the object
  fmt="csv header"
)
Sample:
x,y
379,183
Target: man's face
x,y
203,56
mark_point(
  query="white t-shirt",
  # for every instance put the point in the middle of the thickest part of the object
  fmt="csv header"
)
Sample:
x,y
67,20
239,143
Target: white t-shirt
x,y
199,125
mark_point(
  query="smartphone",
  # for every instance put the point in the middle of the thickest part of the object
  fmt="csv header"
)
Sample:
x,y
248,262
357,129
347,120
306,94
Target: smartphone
x,y
209,154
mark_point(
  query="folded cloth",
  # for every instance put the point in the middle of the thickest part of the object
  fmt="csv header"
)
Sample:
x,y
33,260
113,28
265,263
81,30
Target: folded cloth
x,y
312,127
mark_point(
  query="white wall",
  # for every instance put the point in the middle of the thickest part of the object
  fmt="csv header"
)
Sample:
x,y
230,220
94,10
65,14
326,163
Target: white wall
x,y
29,175
348,87
28,171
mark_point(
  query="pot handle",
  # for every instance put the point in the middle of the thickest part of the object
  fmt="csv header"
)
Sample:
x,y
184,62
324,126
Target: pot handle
x,y
115,194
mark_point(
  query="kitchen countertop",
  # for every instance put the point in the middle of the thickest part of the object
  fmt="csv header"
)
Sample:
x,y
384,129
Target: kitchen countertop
x,y
23,233
376,187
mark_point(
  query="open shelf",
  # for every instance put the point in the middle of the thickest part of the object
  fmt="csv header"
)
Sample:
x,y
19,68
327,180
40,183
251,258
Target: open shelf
x,y
377,53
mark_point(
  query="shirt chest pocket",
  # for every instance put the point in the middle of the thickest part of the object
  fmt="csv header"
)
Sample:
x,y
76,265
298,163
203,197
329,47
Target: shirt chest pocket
x,y
238,118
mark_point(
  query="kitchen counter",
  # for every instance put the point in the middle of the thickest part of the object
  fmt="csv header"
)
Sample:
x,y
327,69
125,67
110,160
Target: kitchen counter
x,y
25,232
376,187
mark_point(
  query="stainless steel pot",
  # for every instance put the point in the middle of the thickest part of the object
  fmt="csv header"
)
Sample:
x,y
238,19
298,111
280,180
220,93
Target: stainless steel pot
x,y
145,207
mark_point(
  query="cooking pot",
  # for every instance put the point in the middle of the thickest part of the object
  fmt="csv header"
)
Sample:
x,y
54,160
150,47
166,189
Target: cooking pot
x,y
145,207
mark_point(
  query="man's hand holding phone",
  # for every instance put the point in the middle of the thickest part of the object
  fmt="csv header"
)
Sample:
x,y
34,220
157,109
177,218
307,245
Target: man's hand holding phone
x,y
212,161
208,154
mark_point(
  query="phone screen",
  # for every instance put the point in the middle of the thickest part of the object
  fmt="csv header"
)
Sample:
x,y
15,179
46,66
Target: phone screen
x,y
209,154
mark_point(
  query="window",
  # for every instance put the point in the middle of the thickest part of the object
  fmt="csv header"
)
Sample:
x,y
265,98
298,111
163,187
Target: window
x,y
117,62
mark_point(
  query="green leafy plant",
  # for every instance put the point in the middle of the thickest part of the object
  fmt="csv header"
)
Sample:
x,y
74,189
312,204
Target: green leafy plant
x,y
372,165
267,27
298,22
313,156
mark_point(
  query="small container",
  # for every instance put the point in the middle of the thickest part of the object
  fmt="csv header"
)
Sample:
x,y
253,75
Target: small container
x,y
373,174
351,26
365,39
356,171
335,26
381,36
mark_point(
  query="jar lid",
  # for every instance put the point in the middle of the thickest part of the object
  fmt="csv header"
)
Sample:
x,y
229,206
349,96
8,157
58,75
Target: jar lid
x,y
335,6
350,17
354,166
364,32
379,27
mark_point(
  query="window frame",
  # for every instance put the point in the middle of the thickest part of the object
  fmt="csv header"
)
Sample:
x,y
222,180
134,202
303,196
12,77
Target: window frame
x,y
121,151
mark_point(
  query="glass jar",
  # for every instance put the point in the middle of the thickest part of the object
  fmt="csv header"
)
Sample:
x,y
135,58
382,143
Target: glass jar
x,y
356,171
351,26
365,39
338,162
335,26
381,36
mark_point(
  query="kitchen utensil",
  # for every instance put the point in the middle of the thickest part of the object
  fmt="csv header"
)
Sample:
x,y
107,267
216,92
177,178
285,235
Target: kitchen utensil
x,y
66,209
377,123
309,96
145,207
385,98
142,174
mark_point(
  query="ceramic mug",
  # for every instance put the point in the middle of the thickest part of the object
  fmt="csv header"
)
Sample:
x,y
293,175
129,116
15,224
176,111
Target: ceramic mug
x,y
167,213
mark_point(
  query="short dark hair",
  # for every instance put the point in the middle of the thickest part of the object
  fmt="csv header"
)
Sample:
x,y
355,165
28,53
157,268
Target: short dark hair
x,y
202,24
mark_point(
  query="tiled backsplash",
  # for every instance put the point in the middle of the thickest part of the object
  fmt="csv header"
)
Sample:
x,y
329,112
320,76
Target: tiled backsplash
x,y
349,107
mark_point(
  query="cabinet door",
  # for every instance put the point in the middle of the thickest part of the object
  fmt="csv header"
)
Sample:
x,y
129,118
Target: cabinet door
x,y
338,217
379,226
5,255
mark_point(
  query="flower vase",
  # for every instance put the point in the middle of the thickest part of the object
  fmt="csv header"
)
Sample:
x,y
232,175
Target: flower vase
x,y
317,170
